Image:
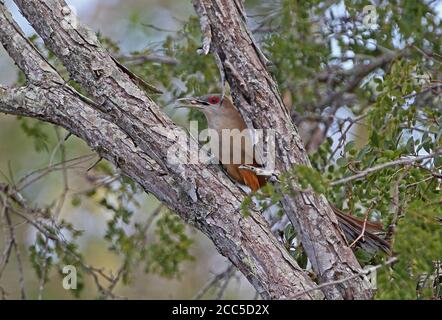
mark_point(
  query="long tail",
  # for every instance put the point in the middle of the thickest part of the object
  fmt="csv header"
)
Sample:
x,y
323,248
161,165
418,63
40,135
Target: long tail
x,y
353,227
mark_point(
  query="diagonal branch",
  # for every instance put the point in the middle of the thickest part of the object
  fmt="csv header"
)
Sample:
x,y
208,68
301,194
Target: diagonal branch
x,y
142,58
125,127
257,97
246,241
398,162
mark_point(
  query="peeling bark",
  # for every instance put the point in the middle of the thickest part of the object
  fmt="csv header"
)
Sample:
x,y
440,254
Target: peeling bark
x,y
125,127
256,95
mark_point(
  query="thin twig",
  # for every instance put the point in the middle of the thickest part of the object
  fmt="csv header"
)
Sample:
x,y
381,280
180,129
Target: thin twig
x,y
424,90
40,173
361,235
139,244
140,59
17,251
64,171
213,282
8,242
397,209
154,27
398,162
223,288
5,257
427,55
43,272
58,145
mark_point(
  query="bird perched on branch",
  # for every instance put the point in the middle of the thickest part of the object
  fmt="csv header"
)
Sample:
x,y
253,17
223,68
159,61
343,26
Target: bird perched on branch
x,y
235,141
221,116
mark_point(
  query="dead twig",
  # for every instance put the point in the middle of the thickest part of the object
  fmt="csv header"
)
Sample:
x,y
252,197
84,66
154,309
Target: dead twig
x,y
214,281
361,236
397,209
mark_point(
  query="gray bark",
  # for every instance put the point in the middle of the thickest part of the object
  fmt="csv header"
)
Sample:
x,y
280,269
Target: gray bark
x,y
127,128
256,94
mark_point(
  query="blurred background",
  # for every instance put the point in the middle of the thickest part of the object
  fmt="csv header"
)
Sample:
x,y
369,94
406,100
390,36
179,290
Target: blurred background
x,y
352,112
134,25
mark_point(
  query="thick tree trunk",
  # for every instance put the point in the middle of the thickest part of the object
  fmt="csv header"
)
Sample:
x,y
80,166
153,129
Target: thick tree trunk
x,y
256,95
124,126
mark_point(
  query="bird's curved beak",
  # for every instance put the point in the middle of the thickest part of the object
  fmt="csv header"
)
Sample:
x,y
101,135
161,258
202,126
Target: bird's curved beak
x,y
192,102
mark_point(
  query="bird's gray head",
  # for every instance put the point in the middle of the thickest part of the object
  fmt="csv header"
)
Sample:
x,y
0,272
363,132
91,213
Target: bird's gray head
x,y
209,104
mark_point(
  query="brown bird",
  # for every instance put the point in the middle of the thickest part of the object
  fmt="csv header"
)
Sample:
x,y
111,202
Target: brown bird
x,y
369,238
221,114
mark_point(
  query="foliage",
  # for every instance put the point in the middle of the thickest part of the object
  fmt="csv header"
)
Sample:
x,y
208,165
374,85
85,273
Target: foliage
x,y
190,77
129,239
52,248
171,247
417,243
369,117
36,130
316,52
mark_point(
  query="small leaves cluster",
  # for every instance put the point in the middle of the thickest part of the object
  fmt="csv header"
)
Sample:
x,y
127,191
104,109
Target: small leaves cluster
x,y
315,51
170,247
54,247
410,192
129,239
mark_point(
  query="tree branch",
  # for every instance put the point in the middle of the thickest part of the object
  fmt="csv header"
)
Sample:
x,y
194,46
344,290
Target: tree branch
x,y
257,97
385,165
125,127
141,58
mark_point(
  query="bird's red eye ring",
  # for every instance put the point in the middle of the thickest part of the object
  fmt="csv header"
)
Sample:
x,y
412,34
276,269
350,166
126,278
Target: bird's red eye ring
x,y
213,100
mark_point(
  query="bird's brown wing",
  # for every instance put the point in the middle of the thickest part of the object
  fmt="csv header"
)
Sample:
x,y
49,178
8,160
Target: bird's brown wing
x,y
374,227
250,179
353,227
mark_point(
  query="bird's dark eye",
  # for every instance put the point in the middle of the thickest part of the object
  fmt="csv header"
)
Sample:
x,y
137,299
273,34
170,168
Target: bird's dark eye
x,y
213,100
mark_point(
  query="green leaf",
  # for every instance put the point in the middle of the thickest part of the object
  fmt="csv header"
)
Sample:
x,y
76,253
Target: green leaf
x,y
76,201
342,162
410,145
349,146
374,139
